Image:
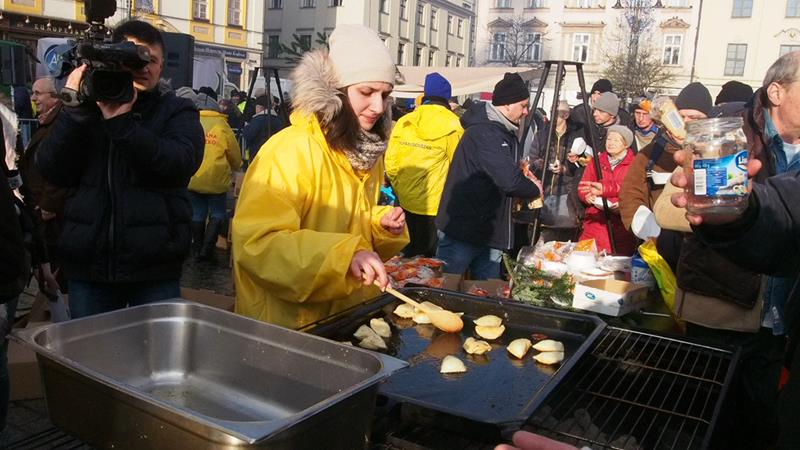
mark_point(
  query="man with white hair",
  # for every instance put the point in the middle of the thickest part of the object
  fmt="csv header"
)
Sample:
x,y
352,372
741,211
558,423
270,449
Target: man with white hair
x,y
772,127
49,198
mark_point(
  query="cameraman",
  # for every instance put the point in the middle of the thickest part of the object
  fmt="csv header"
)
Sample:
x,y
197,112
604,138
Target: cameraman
x,y
127,227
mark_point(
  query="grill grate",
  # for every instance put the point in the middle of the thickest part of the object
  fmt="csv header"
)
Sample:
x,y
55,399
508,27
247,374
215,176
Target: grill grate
x,y
639,391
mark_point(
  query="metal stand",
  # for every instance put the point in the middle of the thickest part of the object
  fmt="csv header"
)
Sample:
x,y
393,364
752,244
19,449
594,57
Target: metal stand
x,y
560,73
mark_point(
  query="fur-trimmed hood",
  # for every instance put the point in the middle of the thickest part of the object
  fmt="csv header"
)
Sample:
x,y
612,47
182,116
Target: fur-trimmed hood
x,y
315,83
315,91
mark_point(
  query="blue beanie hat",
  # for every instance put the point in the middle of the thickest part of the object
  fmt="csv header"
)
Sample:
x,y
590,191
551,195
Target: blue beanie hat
x,y
437,86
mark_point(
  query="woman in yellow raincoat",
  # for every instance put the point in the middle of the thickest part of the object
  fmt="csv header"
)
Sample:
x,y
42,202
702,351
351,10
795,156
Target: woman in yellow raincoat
x,y
308,237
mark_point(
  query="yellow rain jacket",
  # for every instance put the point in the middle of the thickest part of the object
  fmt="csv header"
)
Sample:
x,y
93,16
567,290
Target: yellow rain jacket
x,y
221,155
420,150
302,215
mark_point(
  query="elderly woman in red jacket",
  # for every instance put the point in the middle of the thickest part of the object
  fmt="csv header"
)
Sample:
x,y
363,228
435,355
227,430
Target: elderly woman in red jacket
x,y
614,164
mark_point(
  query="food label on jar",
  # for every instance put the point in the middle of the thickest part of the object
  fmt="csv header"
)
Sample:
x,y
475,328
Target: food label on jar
x,y
726,176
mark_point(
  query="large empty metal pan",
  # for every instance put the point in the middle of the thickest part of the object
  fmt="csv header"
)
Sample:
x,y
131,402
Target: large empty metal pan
x,y
182,375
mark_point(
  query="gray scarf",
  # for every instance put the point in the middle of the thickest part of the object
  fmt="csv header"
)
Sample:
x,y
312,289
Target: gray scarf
x,y
615,162
369,149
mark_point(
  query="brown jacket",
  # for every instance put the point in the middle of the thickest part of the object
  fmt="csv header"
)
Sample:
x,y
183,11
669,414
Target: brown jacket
x,y
46,196
636,189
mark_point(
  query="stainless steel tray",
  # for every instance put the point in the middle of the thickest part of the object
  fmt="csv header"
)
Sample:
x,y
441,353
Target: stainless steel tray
x,y
182,375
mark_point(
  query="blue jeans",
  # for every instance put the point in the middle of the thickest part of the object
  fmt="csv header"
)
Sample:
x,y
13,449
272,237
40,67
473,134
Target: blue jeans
x,y
483,262
205,204
88,299
5,384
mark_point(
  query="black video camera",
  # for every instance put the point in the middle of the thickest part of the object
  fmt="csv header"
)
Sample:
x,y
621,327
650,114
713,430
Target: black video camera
x,y
108,76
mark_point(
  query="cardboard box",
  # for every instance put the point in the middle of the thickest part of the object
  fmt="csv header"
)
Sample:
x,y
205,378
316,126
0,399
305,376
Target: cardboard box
x,y
493,286
23,370
209,298
452,282
609,297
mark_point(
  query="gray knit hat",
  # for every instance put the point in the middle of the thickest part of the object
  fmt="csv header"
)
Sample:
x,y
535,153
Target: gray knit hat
x,y
203,101
623,131
607,102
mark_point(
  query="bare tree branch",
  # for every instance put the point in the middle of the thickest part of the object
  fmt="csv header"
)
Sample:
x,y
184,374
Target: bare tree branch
x,y
515,49
634,64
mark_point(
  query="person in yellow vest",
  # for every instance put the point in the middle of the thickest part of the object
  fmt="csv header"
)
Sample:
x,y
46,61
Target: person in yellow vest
x,y
420,150
309,238
209,186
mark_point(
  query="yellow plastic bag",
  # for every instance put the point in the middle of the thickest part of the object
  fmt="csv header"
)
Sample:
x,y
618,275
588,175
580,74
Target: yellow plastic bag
x,y
665,278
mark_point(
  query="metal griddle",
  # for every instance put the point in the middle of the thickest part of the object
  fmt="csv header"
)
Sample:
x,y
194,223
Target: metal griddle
x,y
497,389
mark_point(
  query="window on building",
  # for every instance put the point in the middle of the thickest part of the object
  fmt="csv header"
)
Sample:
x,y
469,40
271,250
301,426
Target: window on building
x,y
385,6
200,9
583,3
792,8
418,56
533,41
742,8
672,49
580,47
421,14
498,47
308,3
537,4
678,3
502,4
735,59
459,61
789,49
431,57
460,28
404,9
235,12
273,47
434,19
336,2
450,26
448,60
466,5
305,40
275,4
401,54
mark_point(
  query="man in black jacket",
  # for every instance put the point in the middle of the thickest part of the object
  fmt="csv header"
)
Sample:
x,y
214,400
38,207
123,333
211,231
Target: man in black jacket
x,y
765,238
262,126
475,212
14,269
126,228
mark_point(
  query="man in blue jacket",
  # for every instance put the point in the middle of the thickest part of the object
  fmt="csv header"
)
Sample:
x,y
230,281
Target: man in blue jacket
x,y
474,215
127,227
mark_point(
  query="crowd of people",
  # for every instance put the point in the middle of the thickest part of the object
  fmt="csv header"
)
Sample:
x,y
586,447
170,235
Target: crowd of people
x,y
117,196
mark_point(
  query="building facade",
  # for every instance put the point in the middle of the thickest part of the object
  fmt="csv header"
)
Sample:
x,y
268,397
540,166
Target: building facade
x,y
417,32
227,29
711,41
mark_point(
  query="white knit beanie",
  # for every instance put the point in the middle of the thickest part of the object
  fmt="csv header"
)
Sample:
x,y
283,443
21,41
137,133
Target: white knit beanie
x,y
359,56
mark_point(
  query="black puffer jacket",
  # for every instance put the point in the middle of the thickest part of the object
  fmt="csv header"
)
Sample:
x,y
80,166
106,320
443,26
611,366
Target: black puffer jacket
x,y
483,178
128,219
766,239
13,268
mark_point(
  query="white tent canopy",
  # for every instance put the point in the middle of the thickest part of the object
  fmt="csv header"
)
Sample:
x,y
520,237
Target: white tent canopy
x,y
464,80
